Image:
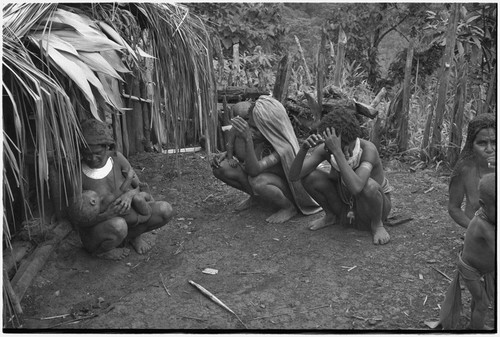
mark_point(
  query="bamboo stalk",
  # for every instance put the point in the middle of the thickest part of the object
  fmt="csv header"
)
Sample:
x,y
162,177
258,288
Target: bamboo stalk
x,y
14,300
306,69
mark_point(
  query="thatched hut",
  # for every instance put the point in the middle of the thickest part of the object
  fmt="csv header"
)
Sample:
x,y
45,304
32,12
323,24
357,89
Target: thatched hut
x,y
143,67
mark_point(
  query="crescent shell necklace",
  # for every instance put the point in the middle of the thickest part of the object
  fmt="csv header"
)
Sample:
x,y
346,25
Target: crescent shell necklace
x,y
98,173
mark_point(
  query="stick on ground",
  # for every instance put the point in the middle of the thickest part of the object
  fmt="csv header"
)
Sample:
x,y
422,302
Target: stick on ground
x,y
215,299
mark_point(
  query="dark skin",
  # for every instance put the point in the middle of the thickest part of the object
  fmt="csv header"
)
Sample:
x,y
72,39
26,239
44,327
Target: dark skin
x,y
258,176
465,184
364,183
479,252
118,221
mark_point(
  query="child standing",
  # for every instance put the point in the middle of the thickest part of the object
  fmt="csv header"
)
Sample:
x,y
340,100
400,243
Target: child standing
x,y
476,263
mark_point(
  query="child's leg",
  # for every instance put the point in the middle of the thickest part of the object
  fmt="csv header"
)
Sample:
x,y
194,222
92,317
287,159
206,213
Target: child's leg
x,y
479,304
141,205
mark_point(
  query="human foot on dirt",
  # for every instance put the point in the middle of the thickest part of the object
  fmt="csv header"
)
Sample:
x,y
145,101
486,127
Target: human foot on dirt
x,y
282,215
326,220
245,204
380,235
114,254
140,245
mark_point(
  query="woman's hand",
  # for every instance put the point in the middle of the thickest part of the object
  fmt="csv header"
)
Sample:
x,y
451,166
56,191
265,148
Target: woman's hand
x,y
332,142
312,141
122,204
242,128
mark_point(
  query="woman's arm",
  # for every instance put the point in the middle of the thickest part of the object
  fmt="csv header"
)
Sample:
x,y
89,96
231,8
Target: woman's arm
x,y
253,166
301,167
354,180
456,193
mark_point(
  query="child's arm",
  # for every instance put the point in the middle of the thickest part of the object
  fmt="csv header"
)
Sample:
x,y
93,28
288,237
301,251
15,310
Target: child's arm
x,y
230,143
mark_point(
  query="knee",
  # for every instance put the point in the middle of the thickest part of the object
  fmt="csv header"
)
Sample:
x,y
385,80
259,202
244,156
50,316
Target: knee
x,y
313,181
371,189
166,211
118,228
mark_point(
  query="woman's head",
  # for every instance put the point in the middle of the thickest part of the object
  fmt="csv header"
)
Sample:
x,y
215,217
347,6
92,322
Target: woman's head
x,y
99,140
481,137
345,124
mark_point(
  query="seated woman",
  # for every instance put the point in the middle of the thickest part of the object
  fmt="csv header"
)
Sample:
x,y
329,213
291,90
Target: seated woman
x,y
270,146
355,190
478,158
117,221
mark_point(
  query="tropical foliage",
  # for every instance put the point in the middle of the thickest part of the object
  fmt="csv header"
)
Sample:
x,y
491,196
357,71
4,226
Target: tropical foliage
x,y
65,63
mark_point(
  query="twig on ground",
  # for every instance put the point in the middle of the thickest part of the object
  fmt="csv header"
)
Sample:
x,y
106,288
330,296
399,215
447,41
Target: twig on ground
x,y
271,316
136,265
164,286
430,189
215,299
209,196
195,318
440,272
320,307
425,300
74,321
54,317
179,249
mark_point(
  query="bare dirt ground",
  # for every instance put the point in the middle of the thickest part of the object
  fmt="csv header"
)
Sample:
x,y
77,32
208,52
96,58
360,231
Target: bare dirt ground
x,y
274,277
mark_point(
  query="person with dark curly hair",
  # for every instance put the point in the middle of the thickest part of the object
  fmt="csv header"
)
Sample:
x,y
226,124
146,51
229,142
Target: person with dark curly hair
x,y
355,191
478,158
108,175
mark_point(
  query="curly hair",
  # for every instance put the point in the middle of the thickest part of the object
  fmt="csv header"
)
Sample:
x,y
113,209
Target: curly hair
x,y
97,133
478,123
345,124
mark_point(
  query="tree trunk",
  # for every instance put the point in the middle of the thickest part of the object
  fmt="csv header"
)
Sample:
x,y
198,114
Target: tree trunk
x,y
457,116
146,119
490,96
280,90
424,148
339,62
435,147
320,74
402,139
236,64
306,68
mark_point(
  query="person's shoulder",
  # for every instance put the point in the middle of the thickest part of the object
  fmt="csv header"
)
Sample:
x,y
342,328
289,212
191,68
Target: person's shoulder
x,y
370,152
366,145
464,167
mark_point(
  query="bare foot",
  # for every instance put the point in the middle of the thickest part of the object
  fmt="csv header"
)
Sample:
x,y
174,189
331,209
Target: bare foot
x,y
326,220
380,235
114,254
282,215
140,245
245,204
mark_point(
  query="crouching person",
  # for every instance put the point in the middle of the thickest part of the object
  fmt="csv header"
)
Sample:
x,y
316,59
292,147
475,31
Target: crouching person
x,y
105,213
355,190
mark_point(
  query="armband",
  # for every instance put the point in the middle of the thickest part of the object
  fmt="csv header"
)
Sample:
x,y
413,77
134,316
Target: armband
x,y
366,165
